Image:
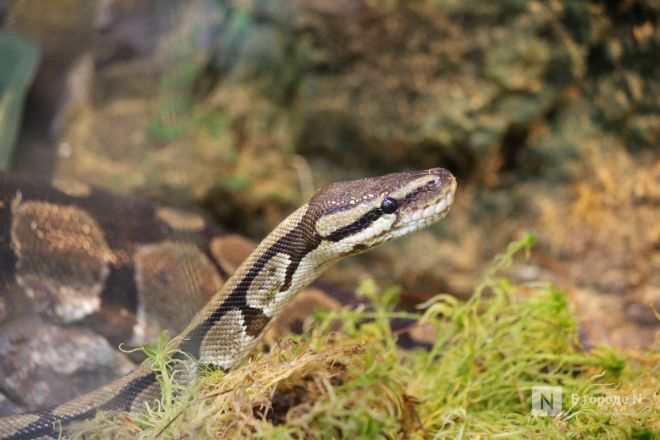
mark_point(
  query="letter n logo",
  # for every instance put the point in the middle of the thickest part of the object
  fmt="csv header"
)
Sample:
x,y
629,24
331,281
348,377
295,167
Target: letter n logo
x,y
546,401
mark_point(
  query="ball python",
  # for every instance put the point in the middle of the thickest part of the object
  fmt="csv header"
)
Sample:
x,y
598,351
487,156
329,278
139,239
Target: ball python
x,y
83,270
342,219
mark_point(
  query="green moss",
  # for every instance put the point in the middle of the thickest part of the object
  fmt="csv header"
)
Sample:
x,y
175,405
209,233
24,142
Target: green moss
x,y
475,381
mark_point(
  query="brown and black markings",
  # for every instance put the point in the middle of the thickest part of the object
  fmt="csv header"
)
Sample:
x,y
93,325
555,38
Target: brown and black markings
x,y
146,250
303,243
160,260
48,423
122,228
295,244
300,238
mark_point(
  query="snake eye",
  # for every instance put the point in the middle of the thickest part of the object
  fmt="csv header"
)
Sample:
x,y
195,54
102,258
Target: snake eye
x,y
389,205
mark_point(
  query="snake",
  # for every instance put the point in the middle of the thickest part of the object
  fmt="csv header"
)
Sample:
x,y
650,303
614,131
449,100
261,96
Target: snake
x,y
342,219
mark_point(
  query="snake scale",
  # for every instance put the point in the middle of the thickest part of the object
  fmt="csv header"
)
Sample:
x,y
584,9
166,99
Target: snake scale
x,y
344,218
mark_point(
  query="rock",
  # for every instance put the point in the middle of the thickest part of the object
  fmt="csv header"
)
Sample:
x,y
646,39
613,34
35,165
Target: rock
x,y
43,364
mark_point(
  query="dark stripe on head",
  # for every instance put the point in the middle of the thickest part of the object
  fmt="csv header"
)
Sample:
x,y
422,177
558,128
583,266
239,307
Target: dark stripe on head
x,y
413,195
358,225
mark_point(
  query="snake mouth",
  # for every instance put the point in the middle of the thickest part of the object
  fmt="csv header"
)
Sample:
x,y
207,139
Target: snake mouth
x,y
430,212
429,205
408,201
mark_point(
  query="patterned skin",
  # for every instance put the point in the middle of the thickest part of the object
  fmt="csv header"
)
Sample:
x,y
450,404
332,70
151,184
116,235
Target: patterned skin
x,y
342,219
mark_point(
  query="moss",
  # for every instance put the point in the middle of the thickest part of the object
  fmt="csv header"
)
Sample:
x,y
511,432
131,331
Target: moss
x,y
475,381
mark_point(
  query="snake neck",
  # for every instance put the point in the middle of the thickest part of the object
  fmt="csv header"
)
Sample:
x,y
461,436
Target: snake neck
x,y
236,317
342,219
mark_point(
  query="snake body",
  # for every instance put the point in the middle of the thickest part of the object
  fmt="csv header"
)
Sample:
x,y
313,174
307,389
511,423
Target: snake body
x,y
342,219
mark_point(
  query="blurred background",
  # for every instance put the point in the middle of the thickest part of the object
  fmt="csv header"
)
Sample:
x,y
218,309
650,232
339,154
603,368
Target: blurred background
x,y
546,111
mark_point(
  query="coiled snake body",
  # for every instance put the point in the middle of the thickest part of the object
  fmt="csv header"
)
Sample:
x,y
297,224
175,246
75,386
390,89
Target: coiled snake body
x,y
342,219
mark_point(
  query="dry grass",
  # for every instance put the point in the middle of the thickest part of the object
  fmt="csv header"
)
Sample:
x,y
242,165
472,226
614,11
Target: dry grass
x,y
474,382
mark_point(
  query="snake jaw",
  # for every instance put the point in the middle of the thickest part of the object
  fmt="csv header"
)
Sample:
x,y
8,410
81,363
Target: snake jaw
x,y
345,218
426,206
423,198
429,212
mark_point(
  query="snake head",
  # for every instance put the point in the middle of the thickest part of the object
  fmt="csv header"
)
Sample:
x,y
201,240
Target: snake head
x,y
356,215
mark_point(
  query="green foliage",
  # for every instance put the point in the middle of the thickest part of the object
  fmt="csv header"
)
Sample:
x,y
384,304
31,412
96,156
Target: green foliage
x,y
347,377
